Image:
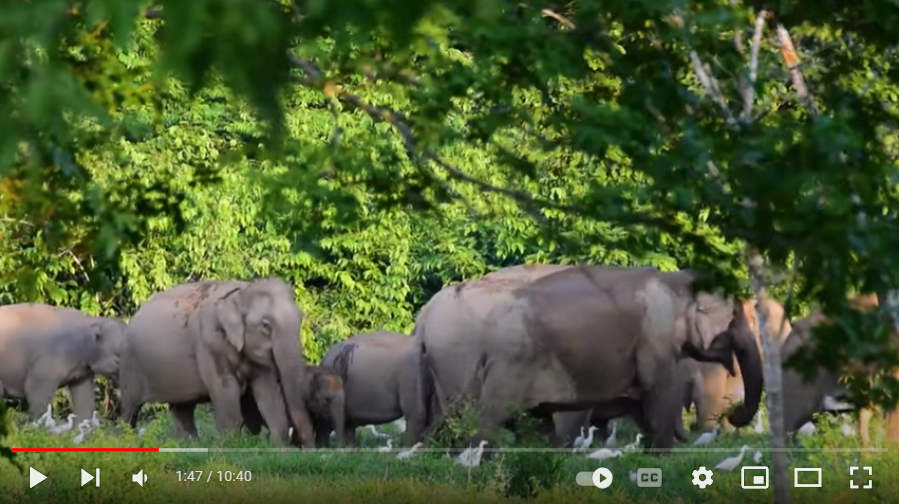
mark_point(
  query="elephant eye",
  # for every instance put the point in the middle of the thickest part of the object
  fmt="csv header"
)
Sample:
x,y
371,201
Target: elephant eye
x,y
266,326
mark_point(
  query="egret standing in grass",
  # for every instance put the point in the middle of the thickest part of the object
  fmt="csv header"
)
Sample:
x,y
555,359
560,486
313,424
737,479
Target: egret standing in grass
x,y
471,457
612,439
707,437
605,453
405,454
731,463
84,428
585,443
67,426
388,447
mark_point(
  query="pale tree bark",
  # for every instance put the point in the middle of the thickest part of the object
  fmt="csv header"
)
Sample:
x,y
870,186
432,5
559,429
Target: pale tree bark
x,y
773,368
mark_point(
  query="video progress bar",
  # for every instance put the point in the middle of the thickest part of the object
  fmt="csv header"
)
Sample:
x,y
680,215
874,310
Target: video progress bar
x,y
108,450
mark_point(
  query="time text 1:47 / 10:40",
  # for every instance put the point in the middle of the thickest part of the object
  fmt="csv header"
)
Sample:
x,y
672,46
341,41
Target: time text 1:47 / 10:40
x,y
207,476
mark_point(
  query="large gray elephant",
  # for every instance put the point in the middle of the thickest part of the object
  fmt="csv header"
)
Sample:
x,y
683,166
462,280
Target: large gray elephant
x,y
212,342
378,376
577,338
710,387
804,398
43,348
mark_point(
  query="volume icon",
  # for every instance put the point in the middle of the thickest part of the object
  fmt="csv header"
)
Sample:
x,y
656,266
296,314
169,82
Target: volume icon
x,y
140,478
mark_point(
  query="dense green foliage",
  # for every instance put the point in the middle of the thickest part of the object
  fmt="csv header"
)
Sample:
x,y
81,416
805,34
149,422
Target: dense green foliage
x,y
371,152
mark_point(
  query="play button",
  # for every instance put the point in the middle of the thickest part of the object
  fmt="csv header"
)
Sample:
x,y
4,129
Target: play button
x,y
35,477
602,477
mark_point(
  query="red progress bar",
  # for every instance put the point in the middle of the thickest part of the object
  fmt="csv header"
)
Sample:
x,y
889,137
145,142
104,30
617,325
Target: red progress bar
x,y
54,450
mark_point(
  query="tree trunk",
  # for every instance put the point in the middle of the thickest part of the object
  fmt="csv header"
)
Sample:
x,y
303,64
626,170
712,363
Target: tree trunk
x,y
773,384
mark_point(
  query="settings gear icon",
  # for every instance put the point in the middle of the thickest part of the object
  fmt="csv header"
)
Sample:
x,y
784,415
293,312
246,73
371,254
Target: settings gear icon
x,y
702,477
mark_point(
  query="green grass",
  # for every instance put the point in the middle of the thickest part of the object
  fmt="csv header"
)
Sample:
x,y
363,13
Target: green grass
x,y
325,477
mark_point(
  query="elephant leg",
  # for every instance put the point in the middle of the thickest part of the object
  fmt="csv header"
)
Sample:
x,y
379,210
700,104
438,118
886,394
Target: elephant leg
x,y
224,394
712,400
659,402
322,430
39,392
501,390
349,436
252,419
272,407
183,417
864,425
83,400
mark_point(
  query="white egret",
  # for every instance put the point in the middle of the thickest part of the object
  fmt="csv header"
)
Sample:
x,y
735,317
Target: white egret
x,y
405,454
605,453
471,457
67,426
612,439
586,442
388,447
707,437
84,428
731,463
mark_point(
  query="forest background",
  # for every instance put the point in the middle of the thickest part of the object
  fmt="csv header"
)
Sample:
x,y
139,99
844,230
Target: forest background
x,y
372,152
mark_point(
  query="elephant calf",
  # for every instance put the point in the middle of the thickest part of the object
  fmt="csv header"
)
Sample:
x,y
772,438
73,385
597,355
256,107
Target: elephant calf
x,y
43,348
325,400
378,376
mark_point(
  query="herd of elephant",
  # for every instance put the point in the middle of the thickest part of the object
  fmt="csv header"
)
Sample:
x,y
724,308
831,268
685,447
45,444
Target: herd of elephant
x,y
570,345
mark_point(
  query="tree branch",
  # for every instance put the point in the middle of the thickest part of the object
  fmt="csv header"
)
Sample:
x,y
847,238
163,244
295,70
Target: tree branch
x,y
710,84
748,90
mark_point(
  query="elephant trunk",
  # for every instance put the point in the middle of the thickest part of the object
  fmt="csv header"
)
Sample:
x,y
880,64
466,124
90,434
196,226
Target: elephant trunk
x,y
291,371
750,361
338,417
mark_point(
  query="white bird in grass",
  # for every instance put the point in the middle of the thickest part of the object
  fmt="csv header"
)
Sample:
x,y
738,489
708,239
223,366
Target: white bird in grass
x,y
585,443
707,437
759,427
731,463
757,456
376,432
635,445
400,425
95,419
84,428
605,453
59,429
45,420
403,455
632,476
847,430
471,457
612,439
388,447
580,439
807,429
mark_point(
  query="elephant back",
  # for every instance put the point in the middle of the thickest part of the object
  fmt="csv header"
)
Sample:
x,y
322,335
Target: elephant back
x,y
18,317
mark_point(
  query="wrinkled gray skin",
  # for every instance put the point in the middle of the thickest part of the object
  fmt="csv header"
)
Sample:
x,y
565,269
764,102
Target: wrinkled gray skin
x,y
575,338
43,348
689,376
212,342
378,376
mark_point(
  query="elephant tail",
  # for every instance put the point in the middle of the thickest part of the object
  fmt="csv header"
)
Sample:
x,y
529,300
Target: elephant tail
x,y
425,390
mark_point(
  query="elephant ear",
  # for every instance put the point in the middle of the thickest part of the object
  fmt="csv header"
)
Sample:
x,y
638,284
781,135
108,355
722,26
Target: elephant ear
x,y
229,316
